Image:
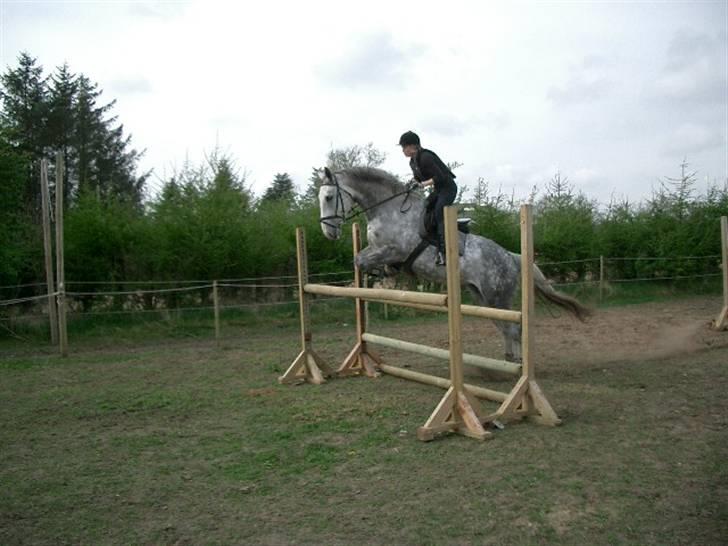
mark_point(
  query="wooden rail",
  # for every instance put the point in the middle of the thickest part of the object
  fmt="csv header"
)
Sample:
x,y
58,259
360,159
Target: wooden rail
x,y
472,360
381,294
443,383
492,313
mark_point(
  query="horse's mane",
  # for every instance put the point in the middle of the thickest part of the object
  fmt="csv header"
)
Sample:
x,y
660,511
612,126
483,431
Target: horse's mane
x,y
373,176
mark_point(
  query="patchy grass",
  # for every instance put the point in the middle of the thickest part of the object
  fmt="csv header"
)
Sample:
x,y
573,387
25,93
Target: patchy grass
x,y
186,443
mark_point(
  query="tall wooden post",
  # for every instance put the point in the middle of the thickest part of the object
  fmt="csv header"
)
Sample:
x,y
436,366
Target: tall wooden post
x,y
526,398
307,366
527,291
358,360
458,411
601,279
60,266
721,323
216,304
48,251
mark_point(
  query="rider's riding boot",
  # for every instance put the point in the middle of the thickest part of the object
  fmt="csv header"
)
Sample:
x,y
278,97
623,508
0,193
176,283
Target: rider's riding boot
x,y
440,260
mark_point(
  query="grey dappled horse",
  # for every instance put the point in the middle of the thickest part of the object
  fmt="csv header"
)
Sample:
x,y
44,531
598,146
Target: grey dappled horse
x,y
394,214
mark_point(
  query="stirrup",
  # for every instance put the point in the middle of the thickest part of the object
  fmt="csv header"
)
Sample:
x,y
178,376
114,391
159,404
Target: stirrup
x,y
440,260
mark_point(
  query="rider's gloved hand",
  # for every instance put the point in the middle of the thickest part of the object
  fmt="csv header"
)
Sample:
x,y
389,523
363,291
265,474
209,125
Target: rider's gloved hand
x,y
413,185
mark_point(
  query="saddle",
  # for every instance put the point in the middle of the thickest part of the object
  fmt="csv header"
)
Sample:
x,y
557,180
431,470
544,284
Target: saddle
x,y
428,234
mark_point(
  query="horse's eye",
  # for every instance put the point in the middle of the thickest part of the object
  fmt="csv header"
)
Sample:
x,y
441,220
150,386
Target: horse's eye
x,y
329,197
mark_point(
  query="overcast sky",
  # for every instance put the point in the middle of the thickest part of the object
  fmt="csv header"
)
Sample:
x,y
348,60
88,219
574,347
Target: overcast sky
x,y
612,94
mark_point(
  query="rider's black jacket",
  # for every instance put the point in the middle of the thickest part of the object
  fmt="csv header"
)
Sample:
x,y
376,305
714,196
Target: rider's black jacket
x,y
425,165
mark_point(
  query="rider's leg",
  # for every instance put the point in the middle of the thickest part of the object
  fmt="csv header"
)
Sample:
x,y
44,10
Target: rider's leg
x,y
444,198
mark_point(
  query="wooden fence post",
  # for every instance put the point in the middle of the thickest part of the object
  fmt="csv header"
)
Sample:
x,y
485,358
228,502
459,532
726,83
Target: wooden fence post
x,y
60,266
216,303
48,251
601,279
721,322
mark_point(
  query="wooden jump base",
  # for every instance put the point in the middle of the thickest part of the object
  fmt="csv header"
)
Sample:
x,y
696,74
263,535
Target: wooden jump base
x,y
721,323
459,410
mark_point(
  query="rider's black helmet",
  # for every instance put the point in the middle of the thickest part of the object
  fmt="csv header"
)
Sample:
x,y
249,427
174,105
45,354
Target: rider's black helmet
x,y
409,138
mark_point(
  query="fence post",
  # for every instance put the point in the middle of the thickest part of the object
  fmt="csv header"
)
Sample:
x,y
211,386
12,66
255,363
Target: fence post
x,y
60,267
216,302
721,322
48,251
601,278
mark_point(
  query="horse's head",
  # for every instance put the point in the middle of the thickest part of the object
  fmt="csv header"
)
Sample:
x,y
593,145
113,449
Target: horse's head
x,y
335,202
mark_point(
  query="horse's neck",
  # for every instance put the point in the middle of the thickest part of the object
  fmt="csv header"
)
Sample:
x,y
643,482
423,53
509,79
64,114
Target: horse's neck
x,y
396,216
365,198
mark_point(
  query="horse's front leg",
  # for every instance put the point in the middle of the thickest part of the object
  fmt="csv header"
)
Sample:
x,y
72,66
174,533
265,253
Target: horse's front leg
x,y
372,258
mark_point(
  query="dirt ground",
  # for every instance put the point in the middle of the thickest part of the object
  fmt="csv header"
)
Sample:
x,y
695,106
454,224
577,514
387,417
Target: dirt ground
x,y
649,331
183,442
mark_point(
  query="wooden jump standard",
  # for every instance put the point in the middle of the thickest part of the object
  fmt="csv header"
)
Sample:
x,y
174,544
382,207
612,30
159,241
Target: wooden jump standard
x,y
721,323
458,411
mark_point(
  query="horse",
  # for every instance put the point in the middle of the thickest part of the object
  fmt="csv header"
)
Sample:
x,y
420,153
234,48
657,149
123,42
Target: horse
x,y
394,218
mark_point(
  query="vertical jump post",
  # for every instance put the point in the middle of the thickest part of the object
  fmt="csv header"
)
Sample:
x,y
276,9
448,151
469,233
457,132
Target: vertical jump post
x,y
721,323
307,365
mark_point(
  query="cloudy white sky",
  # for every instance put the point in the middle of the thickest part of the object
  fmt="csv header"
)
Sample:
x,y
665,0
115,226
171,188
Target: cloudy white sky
x,y
612,94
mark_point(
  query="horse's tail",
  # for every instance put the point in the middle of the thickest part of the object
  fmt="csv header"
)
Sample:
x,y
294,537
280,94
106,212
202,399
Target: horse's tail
x,y
544,289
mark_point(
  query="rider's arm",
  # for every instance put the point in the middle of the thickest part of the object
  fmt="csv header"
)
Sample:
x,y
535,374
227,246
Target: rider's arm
x,y
429,167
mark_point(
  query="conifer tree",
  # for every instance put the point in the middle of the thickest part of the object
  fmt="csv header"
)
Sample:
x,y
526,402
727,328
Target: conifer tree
x,y
281,189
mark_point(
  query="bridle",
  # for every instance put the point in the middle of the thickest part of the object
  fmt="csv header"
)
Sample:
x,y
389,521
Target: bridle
x,y
339,201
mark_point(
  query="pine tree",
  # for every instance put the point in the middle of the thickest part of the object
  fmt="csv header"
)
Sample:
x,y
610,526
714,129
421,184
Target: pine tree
x,y
24,113
227,182
310,196
281,189
43,116
61,120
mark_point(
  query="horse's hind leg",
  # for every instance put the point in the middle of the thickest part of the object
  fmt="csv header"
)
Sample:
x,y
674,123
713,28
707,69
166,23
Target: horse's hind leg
x,y
510,331
512,338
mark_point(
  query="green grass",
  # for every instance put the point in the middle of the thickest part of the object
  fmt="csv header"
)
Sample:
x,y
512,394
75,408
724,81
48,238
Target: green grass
x,y
185,443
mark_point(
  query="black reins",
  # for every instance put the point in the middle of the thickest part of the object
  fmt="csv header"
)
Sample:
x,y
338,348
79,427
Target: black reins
x,y
344,217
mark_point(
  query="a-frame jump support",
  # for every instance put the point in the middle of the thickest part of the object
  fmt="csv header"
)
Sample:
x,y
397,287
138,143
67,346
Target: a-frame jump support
x,y
526,398
458,411
307,366
361,359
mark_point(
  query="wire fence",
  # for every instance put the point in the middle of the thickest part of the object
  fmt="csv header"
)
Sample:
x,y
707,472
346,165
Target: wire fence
x,y
262,294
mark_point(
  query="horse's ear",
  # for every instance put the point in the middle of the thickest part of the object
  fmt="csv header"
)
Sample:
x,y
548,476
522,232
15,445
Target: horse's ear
x,y
328,174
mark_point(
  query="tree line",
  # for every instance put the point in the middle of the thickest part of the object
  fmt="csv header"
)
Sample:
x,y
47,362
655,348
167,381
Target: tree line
x,y
205,223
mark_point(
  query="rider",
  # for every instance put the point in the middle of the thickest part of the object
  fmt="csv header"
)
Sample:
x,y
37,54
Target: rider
x,y
429,170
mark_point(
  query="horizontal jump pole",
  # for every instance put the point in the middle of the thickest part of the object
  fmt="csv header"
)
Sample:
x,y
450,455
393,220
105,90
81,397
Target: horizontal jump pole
x,y
472,360
427,379
469,310
382,294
